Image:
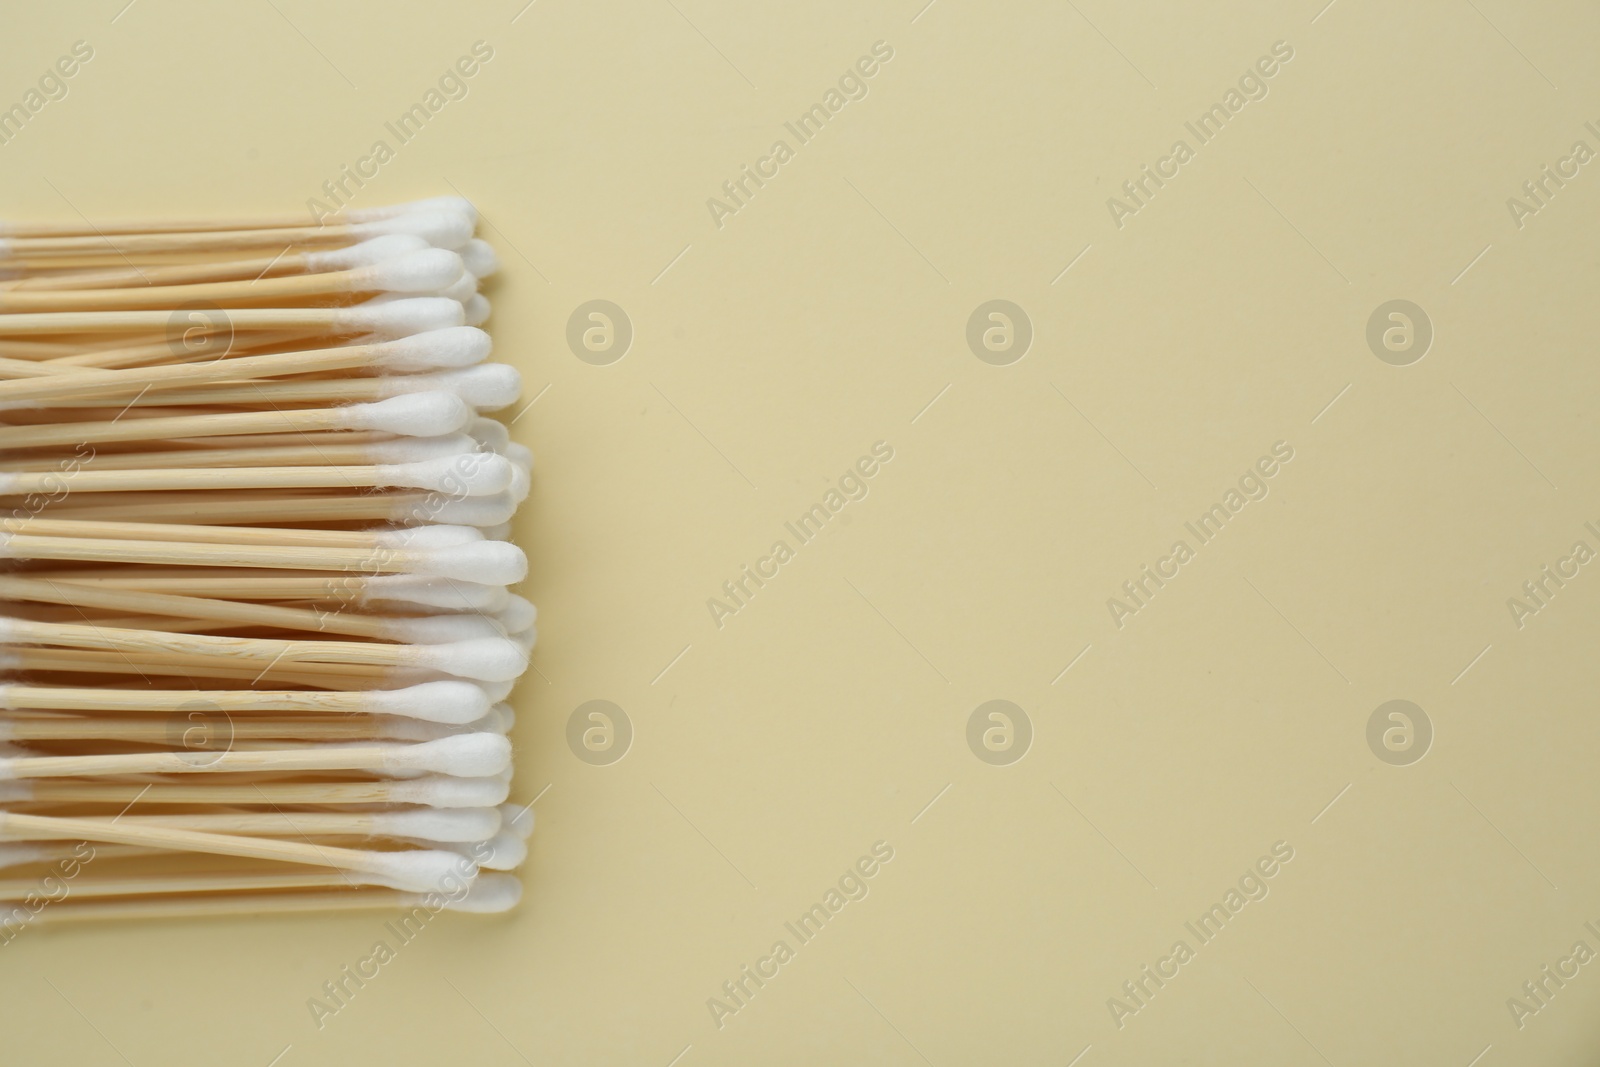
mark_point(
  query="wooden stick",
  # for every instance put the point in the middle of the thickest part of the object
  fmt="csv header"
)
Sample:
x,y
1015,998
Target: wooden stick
x,y
89,480
240,319
195,344
355,757
200,508
221,424
172,732
93,888
44,827
352,559
202,609
487,658
191,907
288,794
253,394
232,701
294,454
107,638
35,247
98,381
246,823
178,274
232,293
331,676
155,531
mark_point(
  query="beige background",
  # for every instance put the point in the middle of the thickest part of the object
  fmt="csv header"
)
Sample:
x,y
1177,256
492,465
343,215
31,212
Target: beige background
x,y
829,314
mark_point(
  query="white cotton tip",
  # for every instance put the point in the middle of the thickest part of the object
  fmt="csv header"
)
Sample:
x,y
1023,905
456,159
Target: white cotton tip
x,y
420,871
521,482
500,531
427,270
400,318
517,819
490,433
491,894
505,851
433,592
451,701
494,659
518,614
411,415
498,691
447,349
469,474
525,639
478,755
461,289
451,825
442,629
421,538
521,455
487,387
475,309
442,229
459,204
442,791
499,719
364,254
484,562
481,511
389,728
479,257
417,449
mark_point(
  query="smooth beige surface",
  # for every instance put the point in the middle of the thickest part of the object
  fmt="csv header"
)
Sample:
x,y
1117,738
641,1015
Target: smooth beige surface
x,y
829,313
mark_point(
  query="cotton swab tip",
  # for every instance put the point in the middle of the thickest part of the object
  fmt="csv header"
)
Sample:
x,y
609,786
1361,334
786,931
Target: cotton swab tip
x,y
449,701
479,257
424,271
504,851
364,254
442,629
417,449
518,820
450,348
433,591
401,318
426,537
411,414
487,658
480,511
477,755
491,894
442,229
518,614
469,474
484,562
490,433
443,791
458,204
444,825
461,289
423,870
